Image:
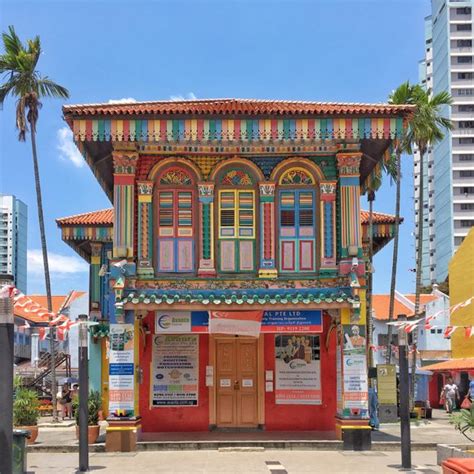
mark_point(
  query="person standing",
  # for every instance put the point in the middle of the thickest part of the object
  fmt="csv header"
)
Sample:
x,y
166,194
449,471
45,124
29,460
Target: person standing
x,y
450,393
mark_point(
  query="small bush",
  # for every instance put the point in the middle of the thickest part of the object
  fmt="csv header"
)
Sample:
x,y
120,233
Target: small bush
x,y
25,407
464,421
94,403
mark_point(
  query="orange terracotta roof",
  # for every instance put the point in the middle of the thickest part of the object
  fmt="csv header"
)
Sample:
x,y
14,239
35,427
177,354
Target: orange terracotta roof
x,y
378,218
57,302
236,107
452,364
106,217
103,217
423,298
381,305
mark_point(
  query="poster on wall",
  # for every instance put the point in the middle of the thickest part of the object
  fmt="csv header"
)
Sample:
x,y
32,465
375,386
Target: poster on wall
x,y
355,371
172,322
121,370
298,370
175,370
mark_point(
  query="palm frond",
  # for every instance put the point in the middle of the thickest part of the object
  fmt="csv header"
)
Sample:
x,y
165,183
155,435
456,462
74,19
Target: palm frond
x,y
47,88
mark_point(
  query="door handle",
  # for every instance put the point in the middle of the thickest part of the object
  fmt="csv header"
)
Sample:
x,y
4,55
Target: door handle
x,y
236,385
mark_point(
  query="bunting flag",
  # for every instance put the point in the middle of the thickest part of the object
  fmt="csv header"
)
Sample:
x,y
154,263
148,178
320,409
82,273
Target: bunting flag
x,y
410,327
461,305
468,332
449,331
26,325
243,323
43,333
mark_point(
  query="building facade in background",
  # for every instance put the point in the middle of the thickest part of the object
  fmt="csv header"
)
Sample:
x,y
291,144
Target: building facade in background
x,y
449,165
13,239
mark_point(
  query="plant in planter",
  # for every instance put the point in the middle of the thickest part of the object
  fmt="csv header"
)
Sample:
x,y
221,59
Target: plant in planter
x,y
464,422
26,411
94,403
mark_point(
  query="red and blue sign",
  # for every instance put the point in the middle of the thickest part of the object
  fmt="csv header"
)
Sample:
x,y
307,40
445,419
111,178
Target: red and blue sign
x,y
272,321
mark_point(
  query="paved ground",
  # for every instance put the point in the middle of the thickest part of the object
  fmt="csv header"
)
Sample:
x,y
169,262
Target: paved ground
x,y
208,462
437,430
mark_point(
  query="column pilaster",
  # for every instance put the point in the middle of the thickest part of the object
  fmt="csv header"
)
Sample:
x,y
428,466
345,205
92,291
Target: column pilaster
x,y
124,212
145,229
349,200
207,267
96,251
327,192
267,231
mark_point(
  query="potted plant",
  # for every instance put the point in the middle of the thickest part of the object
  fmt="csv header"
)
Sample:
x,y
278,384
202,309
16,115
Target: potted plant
x,y
94,403
26,411
464,422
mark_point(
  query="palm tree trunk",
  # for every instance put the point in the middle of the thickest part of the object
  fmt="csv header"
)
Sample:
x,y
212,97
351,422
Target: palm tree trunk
x,y
419,265
39,202
393,282
370,322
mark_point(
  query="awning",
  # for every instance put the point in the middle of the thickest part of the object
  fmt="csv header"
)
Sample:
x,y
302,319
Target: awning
x,y
466,363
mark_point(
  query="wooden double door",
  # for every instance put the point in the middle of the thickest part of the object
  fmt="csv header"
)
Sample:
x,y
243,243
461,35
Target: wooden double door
x,y
237,384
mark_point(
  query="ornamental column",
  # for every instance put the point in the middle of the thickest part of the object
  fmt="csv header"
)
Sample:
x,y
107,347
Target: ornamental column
x,y
96,251
327,192
145,229
349,199
267,231
207,267
124,190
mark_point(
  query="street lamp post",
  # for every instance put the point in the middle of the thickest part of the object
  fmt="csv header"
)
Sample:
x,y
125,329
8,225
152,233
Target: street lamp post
x,y
6,374
83,394
404,394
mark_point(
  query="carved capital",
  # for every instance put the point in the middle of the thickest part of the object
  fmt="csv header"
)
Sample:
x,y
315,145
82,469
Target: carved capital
x,y
125,162
145,188
267,189
327,190
96,249
206,192
348,163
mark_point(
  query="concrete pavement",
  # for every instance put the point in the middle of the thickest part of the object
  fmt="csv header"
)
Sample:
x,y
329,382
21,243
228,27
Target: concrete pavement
x,y
223,462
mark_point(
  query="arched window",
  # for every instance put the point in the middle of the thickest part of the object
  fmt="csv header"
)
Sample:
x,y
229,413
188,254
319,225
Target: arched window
x,y
297,221
174,204
236,221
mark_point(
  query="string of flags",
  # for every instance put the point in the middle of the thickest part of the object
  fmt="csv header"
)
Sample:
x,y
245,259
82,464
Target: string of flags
x,y
61,322
410,326
375,348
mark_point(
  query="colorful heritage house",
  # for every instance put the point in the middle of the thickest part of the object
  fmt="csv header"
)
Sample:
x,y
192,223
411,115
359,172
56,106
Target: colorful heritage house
x,y
229,277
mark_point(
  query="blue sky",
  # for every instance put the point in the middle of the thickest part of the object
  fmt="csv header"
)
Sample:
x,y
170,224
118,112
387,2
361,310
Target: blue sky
x,y
334,50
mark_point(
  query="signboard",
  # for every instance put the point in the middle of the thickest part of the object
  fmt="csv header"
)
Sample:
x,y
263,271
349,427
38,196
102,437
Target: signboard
x,y
172,322
354,372
298,370
121,370
387,384
272,321
175,370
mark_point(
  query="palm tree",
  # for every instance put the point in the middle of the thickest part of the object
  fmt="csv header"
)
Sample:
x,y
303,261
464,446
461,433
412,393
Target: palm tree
x,y
22,80
426,128
402,95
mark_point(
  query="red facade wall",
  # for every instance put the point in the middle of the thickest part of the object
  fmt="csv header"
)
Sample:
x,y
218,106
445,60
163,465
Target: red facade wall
x,y
277,417
304,417
173,418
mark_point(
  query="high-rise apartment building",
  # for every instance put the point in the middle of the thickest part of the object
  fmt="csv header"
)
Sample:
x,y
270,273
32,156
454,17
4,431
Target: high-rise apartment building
x,y
449,165
13,238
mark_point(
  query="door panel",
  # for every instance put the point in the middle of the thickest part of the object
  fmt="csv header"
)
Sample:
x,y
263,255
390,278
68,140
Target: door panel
x,y
236,382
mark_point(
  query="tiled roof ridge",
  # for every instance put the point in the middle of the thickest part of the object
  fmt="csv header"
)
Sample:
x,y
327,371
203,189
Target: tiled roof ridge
x,y
107,218
231,100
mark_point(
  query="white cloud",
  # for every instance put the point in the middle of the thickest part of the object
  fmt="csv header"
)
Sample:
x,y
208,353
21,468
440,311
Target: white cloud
x,y
67,149
124,100
59,264
188,96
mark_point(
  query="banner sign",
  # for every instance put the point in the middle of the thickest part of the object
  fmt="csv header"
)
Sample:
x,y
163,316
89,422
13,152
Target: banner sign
x,y
298,370
172,322
121,370
354,371
243,323
175,370
387,384
272,321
